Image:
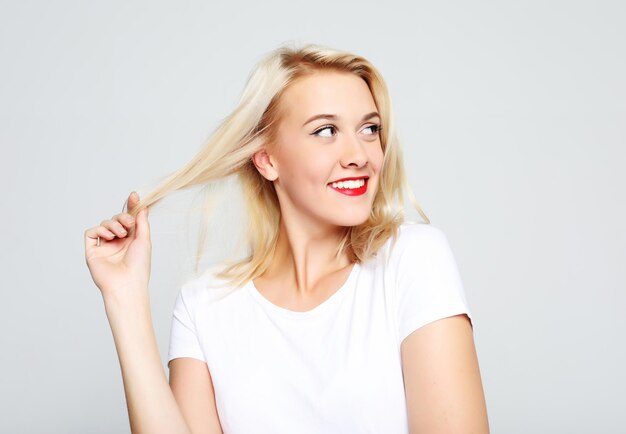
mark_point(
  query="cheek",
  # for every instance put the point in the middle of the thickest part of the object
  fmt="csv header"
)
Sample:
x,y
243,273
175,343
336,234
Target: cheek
x,y
316,166
289,162
305,168
376,158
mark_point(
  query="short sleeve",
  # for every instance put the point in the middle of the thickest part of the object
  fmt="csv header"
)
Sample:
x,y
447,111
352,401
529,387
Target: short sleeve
x,y
428,286
183,336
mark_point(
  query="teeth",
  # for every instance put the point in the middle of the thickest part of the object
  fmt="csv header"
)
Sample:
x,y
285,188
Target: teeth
x,y
349,184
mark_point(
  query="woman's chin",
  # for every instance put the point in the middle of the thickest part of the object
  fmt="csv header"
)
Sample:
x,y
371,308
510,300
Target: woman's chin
x,y
355,220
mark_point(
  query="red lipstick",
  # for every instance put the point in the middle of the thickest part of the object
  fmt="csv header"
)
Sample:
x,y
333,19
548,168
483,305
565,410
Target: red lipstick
x,y
350,191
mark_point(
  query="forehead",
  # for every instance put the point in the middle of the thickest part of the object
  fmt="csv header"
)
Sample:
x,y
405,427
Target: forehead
x,y
341,93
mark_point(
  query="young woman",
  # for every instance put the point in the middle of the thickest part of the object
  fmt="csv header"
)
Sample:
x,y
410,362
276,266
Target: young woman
x,y
344,318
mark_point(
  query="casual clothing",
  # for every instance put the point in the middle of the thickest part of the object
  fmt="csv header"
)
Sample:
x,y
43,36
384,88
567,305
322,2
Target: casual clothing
x,y
333,369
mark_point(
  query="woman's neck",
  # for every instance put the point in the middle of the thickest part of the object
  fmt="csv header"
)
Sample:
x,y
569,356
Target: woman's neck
x,y
304,257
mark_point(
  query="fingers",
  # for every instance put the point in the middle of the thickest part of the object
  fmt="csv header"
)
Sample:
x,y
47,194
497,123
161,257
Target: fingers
x,y
120,225
132,202
115,226
93,235
109,229
143,225
133,199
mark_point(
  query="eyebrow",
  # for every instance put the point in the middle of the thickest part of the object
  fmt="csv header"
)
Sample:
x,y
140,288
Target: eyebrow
x,y
335,117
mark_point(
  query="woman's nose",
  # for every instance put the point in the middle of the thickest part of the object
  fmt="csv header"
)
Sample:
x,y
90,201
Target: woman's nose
x,y
353,153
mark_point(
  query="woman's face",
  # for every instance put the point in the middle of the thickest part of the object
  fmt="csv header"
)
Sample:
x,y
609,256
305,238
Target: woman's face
x,y
328,156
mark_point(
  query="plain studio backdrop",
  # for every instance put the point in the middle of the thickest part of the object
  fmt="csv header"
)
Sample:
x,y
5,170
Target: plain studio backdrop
x,y
512,117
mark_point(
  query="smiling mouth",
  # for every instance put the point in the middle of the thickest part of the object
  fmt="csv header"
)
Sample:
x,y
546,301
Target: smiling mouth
x,y
350,187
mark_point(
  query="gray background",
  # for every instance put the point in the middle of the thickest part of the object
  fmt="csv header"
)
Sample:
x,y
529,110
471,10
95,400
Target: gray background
x,y
512,118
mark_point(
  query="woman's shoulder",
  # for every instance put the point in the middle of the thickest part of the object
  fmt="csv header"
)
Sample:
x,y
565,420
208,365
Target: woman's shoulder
x,y
415,243
206,285
413,235
415,229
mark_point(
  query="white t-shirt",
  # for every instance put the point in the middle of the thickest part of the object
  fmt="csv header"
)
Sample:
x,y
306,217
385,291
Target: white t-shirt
x,y
333,369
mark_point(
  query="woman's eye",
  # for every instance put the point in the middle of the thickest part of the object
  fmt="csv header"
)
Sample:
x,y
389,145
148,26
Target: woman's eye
x,y
326,134
375,128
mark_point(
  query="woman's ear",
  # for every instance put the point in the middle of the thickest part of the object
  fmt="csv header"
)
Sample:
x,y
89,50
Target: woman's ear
x,y
264,163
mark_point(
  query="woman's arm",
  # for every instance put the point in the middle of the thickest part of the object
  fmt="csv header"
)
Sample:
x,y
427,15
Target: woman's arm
x,y
118,253
444,392
152,407
192,385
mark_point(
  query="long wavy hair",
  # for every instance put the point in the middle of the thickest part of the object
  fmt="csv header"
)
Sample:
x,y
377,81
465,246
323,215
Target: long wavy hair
x,y
252,126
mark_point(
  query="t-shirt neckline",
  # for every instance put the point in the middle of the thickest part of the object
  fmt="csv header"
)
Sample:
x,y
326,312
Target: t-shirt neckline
x,y
317,310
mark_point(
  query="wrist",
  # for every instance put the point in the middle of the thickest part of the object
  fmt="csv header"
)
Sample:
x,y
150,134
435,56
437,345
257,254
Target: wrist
x,y
127,298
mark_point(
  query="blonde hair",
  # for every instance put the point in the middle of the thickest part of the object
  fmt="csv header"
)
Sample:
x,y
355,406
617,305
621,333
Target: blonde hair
x,y
251,126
